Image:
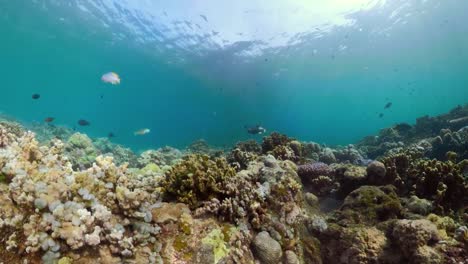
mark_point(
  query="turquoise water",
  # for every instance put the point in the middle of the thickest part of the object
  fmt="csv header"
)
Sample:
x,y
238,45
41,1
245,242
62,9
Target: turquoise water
x,y
186,77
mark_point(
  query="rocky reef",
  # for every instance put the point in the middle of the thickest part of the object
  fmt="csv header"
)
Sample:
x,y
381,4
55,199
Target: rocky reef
x,y
399,197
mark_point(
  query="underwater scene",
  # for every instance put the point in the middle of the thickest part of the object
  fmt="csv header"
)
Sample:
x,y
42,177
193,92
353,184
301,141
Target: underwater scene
x,y
222,132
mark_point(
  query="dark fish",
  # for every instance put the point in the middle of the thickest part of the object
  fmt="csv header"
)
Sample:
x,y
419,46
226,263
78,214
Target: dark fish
x,y
204,18
83,122
36,96
388,105
49,119
256,130
380,115
110,135
266,60
102,96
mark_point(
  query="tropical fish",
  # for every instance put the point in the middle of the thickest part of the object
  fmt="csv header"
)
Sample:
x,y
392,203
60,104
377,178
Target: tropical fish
x,y
36,96
381,115
83,122
49,119
142,132
388,105
256,130
110,135
111,77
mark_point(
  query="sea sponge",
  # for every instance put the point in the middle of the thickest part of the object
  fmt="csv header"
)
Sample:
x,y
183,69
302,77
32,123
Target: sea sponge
x,y
196,179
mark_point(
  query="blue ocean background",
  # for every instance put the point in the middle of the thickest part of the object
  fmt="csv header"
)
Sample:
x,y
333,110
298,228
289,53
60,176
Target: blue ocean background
x,y
325,82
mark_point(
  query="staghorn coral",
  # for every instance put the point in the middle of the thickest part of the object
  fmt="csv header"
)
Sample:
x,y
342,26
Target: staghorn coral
x,y
196,179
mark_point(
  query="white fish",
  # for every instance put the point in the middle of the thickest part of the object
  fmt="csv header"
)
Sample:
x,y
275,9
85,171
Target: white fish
x,y
111,77
142,132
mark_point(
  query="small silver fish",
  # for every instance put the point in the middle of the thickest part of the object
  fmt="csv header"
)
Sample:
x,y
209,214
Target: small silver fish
x,y
111,77
142,132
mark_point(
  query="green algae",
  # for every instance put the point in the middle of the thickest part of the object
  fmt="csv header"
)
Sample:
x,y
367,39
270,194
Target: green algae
x,y
151,168
216,239
228,231
65,260
3,178
180,245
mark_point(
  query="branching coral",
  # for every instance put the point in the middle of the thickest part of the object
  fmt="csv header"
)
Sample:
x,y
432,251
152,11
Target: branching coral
x,y
165,156
240,159
440,181
318,177
282,147
64,210
274,140
196,179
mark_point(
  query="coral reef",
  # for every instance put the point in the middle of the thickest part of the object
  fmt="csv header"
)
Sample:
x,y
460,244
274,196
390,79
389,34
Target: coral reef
x,y
162,157
441,181
120,154
370,205
84,200
316,178
244,153
53,210
196,179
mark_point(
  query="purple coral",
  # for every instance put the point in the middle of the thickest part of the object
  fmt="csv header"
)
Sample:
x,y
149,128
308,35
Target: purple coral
x,y
313,170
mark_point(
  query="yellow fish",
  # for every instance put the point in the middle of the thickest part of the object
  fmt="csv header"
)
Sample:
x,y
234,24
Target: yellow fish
x,y
142,132
111,77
